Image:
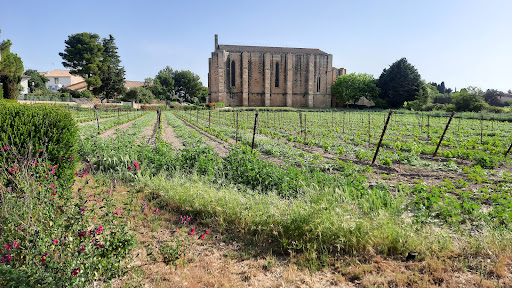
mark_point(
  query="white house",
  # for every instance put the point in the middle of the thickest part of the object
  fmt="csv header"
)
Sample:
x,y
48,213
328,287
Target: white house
x,y
24,84
60,78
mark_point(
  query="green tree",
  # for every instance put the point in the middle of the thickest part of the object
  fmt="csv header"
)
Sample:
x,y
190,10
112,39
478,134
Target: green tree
x,y
139,95
82,54
37,82
188,86
162,86
351,87
492,97
468,99
112,74
399,83
11,69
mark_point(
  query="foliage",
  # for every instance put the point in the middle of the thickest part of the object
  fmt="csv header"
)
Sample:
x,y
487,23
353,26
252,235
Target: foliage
x,y
399,83
189,88
351,87
468,100
29,129
53,236
183,86
492,97
83,54
11,68
111,73
139,95
441,88
162,86
37,82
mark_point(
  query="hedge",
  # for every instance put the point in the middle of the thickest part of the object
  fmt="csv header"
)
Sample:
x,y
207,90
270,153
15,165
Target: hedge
x,y
29,132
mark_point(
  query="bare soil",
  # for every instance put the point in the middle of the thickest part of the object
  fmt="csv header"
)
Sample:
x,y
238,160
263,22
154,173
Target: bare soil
x,y
169,136
113,131
149,134
219,261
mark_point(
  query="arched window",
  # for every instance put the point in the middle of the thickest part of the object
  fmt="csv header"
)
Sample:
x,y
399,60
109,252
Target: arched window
x,y
233,73
277,74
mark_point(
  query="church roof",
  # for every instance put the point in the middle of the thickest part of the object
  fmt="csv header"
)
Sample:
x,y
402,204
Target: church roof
x,y
264,49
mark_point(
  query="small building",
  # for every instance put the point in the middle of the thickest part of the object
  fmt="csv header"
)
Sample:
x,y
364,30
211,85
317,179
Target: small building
x,y
24,84
60,78
271,76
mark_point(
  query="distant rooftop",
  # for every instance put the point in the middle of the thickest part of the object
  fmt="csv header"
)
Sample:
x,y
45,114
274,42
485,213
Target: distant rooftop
x,y
239,48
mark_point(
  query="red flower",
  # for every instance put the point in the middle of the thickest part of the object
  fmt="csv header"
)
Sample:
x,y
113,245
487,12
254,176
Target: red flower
x,y
202,236
43,258
55,241
207,232
76,271
15,244
7,247
129,167
99,230
82,249
137,167
192,231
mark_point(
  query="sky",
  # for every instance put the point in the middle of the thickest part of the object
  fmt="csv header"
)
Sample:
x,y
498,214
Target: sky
x,y
463,43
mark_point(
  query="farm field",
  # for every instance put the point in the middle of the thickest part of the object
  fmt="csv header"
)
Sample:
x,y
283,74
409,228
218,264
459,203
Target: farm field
x,y
306,207
454,208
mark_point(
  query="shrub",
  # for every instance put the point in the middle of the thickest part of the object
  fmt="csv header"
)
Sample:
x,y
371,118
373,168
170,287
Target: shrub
x,y
32,129
211,106
220,104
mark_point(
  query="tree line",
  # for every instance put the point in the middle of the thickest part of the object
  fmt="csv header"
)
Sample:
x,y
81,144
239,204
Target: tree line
x,y
401,86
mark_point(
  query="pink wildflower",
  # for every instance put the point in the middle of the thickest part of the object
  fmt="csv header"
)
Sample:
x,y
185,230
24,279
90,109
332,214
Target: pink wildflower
x,y
137,167
207,232
55,241
15,244
202,236
99,230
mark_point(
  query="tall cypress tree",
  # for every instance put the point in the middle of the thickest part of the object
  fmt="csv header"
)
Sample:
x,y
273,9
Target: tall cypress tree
x,y
11,68
112,74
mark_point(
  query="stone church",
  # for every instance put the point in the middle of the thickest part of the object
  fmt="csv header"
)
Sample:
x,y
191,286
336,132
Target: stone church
x,y
271,76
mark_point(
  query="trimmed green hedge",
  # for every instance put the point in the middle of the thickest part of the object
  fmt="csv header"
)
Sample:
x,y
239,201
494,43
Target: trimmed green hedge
x,y
28,132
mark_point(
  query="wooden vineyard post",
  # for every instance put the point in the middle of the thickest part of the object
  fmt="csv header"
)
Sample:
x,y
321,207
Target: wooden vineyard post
x,y
369,129
305,128
97,120
118,113
428,126
300,121
444,132
481,129
382,136
209,119
510,147
197,116
343,122
236,133
254,130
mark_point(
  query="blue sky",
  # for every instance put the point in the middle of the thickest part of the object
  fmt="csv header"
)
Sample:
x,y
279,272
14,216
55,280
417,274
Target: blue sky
x,y
464,43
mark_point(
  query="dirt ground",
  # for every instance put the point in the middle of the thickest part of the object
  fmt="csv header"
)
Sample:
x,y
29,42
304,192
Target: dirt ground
x,y
219,261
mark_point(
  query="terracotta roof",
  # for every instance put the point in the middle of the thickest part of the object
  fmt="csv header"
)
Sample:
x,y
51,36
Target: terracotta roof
x,y
133,84
77,86
264,49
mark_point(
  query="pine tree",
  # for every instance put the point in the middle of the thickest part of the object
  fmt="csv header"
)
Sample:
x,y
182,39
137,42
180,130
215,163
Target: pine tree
x,y
112,74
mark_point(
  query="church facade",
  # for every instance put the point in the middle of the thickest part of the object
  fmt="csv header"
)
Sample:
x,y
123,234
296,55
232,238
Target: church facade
x,y
271,76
